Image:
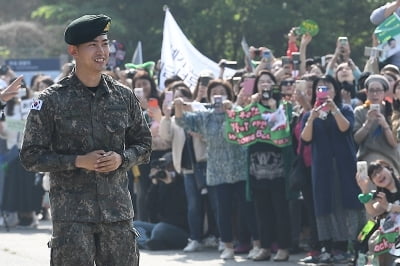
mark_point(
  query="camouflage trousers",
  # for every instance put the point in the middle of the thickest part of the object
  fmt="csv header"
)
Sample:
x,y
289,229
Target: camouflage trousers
x,y
106,244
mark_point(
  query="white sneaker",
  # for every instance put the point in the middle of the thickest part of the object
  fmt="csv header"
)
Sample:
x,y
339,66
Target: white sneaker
x,y
192,246
254,251
227,254
210,242
221,246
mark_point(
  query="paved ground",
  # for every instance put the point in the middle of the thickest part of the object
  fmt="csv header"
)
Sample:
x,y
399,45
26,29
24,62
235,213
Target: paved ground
x,y
27,247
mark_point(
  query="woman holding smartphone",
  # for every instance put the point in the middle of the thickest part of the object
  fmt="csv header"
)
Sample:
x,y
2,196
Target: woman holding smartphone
x,y
373,127
385,201
328,129
226,168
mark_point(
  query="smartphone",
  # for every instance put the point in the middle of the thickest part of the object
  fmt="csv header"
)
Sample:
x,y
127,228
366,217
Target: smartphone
x,y
375,106
267,54
322,93
286,60
322,96
248,86
367,51
343,41
276,93
362,168
217,100
301,86
153,102
229,64
371,51
296,58
138,92
169,97
21,93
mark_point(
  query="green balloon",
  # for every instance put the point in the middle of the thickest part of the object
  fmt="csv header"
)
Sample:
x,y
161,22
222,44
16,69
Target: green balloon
x,y
309,26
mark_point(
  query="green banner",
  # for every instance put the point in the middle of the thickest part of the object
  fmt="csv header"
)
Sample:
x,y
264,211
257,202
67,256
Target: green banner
x,y
388,29
256,123
388,35
384,243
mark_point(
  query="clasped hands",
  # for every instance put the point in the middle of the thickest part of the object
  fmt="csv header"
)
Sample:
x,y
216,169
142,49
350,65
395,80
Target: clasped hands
x,y
99,161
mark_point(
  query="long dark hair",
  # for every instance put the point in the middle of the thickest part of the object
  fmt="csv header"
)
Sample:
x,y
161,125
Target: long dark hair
x,y
262,72
376,166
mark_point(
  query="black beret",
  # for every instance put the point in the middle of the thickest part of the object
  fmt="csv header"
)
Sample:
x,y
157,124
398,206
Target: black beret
x,y
86,28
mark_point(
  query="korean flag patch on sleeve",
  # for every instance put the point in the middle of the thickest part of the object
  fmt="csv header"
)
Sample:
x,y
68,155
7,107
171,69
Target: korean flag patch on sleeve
x,y
36,105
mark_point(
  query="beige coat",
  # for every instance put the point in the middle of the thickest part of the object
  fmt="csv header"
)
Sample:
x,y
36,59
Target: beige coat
x,y
170,131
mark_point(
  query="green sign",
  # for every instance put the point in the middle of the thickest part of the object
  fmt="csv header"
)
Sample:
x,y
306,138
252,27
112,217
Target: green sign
x,y
256,123
388,28
308,26
384,242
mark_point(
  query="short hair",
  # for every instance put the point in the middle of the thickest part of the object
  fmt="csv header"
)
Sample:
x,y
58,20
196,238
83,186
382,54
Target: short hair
x,y
217,82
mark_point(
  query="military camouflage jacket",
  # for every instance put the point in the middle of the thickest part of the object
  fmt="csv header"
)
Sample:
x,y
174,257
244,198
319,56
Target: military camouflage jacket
x,y
68,120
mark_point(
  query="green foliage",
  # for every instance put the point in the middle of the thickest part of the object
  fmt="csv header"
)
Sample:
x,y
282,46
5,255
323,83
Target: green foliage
x,y
216,27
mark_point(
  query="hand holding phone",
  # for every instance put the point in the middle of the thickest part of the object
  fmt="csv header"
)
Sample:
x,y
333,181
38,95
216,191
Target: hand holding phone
x,y
375,107
169,95
343,41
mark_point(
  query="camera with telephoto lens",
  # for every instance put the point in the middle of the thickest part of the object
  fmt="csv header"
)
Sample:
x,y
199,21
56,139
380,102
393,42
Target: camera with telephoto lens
x,y
162,165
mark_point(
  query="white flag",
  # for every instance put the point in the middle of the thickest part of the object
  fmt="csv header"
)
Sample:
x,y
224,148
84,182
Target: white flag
x,y
137,57
179,57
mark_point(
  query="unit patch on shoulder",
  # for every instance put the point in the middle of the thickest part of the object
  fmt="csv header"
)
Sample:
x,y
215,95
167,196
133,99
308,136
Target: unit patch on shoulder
x,y
36,105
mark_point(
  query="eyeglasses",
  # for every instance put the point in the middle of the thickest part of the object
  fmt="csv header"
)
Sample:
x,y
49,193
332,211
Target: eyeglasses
x,y
377,91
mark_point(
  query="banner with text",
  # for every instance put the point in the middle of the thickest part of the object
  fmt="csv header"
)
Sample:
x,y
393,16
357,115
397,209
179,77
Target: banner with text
x,y
257,123
388,35
179,57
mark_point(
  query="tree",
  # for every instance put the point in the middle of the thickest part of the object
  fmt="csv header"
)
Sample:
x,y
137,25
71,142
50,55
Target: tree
x,y
216,27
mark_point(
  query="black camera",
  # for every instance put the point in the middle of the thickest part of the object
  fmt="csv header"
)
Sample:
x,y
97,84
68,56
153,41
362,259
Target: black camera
x,y
162,165
4,69
130,73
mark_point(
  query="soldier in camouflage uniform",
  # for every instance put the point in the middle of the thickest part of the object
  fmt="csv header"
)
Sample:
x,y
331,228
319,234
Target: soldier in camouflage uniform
x,y
87,131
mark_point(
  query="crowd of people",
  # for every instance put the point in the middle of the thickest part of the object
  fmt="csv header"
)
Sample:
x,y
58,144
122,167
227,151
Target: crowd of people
x,y
203,190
